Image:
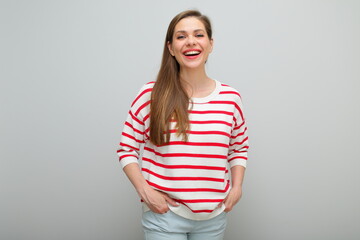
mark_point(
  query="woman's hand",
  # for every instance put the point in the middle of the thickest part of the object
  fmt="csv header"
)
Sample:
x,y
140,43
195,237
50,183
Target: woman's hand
x,y
232,198
237,174
157,201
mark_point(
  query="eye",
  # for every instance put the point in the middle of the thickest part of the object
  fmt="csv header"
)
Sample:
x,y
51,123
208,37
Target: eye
x,y
200,35
180,37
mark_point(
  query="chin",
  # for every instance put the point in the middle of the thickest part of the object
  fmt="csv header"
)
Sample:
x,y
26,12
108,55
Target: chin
x,y
193,65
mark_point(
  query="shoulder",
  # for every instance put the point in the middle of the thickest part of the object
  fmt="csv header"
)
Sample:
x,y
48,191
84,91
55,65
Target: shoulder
x,y
233,95
230,92
146,88
143,94
140,106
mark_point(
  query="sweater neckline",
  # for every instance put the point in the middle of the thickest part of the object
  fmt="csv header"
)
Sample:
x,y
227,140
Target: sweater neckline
x,y
209,97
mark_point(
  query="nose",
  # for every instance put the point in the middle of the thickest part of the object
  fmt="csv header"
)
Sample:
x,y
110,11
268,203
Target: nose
x,y
191,40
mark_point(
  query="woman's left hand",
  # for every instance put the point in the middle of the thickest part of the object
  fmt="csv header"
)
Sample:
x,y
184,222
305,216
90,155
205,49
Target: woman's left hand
x,y
232,198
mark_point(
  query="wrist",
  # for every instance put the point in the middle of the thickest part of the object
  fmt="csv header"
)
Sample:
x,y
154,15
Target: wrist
x,y
142,188
236,187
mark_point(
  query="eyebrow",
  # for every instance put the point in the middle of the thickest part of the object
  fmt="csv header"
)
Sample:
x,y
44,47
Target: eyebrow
x,y
196,30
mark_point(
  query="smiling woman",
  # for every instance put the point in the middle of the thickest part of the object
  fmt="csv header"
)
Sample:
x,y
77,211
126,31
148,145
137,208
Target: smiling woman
x,y
190,33
194,135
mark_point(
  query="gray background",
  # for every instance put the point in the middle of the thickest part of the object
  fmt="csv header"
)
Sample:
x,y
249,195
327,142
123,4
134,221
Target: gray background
x,y
70,69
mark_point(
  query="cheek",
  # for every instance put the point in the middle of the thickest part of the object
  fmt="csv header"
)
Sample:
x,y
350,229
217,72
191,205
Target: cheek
x,y
177,49
208,50
207,45
175,44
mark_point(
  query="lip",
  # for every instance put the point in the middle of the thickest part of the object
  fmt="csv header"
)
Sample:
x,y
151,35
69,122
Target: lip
x,y
193,49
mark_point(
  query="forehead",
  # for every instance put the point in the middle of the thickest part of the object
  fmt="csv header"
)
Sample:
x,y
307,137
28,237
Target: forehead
x,y
189,24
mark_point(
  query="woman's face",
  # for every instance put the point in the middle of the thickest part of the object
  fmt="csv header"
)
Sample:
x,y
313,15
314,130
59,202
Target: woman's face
x,y
191,45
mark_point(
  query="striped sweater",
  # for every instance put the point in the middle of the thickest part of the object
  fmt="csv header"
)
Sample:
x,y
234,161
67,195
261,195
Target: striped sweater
x,y
194,173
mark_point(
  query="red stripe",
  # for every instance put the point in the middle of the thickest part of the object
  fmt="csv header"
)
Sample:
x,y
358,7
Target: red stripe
x,y
184,166
223,102
239,143
139,96
195,144
230,92
124,156
200,211
135,118
188,189
146,117
142,106
132,137
183,178
237,127
129,146
209,112
198,200
239,134
147,130
236,157
208,122
203,132
146,137
240,111
237,151
133,128
185,154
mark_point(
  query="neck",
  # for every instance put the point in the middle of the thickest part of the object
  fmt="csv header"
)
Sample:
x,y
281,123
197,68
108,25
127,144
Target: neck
x,y
194,79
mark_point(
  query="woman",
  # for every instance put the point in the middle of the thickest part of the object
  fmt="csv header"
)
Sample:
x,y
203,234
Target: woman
x,y
195,133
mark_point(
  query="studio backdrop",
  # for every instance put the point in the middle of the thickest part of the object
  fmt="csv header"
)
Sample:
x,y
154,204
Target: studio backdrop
x,y
69,71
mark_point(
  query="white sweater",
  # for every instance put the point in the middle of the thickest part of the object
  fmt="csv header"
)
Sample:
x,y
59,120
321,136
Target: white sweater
x,y
194,173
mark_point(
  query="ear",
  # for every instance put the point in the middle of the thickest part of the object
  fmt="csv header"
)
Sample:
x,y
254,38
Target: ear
x,y
211,44
169,47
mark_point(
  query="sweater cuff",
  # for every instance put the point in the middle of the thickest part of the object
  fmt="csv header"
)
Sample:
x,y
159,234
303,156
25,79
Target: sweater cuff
x,y
127,160
237,162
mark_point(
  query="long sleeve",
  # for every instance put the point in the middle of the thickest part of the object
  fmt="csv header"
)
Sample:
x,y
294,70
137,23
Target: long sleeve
x,y
239,144
134,130
131,139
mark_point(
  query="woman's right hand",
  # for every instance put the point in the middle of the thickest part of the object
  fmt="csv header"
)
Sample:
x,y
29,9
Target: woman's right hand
x,y
157,201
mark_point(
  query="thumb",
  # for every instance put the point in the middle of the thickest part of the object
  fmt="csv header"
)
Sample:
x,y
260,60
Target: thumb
x,y
222,202
171,201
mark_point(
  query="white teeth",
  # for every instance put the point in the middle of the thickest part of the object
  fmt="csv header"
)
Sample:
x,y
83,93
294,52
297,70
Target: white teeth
x,y
192,53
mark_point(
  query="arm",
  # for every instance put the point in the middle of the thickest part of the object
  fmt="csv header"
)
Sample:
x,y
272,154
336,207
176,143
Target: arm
x,y
237,157
133,135
237,176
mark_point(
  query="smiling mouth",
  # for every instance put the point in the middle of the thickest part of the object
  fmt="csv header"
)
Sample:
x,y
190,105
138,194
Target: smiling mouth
x,y
192,52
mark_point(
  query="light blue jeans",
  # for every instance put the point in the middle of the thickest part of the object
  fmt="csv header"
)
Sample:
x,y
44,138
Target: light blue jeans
x,y
170,226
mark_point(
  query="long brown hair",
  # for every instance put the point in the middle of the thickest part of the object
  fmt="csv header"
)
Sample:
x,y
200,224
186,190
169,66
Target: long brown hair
x,y
169,99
